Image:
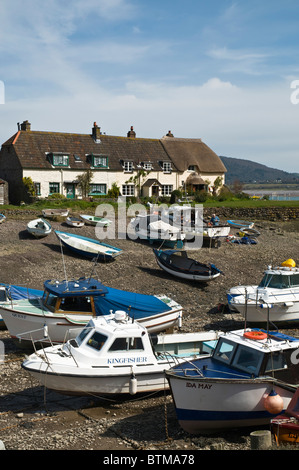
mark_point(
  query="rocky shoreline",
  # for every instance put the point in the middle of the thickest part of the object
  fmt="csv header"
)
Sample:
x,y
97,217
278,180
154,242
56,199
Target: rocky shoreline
x,y
32,418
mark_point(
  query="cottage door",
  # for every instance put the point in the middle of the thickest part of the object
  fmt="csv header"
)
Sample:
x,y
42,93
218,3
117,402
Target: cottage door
x,y
70,190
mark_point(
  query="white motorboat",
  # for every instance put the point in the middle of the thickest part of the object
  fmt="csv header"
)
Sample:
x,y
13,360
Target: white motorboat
x,y
65,307
39,228
155,230
250,377
115,355
275,299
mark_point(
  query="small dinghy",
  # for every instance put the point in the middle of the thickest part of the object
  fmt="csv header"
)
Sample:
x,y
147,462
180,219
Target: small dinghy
x,y
177,263
50,213
249,232
88,247
74,221
240,224
39,228
94,220
2,218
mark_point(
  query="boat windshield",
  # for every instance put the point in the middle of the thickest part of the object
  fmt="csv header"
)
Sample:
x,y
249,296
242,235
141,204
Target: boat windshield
x,y
238,356
127,344
277,281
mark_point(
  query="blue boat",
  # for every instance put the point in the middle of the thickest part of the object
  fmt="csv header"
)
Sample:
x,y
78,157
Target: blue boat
x,y
240,224
2,218
65,307
10,292
250,377
87,246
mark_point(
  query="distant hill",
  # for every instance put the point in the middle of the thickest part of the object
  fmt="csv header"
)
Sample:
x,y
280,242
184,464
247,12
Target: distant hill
x,y
247,171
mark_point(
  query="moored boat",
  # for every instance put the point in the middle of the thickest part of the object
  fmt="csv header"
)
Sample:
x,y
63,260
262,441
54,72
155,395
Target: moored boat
x,y
65,307
115,356
155,230
275,299
74,221
285,427
178,263
233,387
50,213
95,220
88,247
240,224
39,228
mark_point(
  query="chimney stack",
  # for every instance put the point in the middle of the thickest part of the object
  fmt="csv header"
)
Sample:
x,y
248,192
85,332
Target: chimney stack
x,y
169,134
96,132
131,133
25,126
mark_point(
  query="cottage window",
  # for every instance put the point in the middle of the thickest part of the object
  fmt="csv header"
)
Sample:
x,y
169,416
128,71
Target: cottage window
x,y
128,166
167,189
166,166
60,160
37,189
98,189
128,190
54,188
147,166
99,161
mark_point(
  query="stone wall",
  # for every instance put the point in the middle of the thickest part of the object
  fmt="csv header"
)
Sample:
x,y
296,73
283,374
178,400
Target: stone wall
x,y
262,213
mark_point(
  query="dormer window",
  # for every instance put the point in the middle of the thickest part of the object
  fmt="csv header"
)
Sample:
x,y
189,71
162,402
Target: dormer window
x,y
147,166
60,159
166,167
100,161
128,166
191,168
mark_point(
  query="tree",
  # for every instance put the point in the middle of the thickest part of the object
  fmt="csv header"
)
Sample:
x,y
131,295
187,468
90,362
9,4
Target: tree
x,y
29,185
84,182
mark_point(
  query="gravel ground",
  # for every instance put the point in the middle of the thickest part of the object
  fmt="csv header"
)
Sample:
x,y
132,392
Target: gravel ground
x,y
33,418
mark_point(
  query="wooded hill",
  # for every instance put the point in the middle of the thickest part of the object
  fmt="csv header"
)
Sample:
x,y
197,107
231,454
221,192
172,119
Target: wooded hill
x,y
247,171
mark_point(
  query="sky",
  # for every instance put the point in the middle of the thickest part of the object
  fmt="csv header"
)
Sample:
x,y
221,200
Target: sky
x,y
225,71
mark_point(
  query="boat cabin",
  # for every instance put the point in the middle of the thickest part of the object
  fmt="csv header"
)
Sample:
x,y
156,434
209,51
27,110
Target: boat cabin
x,y
122,341
272,355
281,278
72,296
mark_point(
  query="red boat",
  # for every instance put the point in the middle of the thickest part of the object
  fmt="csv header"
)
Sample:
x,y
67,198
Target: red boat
x,y
285,427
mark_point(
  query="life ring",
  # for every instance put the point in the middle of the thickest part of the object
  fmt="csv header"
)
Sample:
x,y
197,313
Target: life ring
x,y
256,335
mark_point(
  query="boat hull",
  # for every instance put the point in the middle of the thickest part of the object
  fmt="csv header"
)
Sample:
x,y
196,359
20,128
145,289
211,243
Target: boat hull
x,y
100,384
184,274
39,228
283,308
74,222
88,247
240,224
28,327
207,405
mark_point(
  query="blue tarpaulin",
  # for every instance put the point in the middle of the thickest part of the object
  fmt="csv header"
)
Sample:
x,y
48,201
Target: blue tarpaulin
x,y
136,305
18,292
